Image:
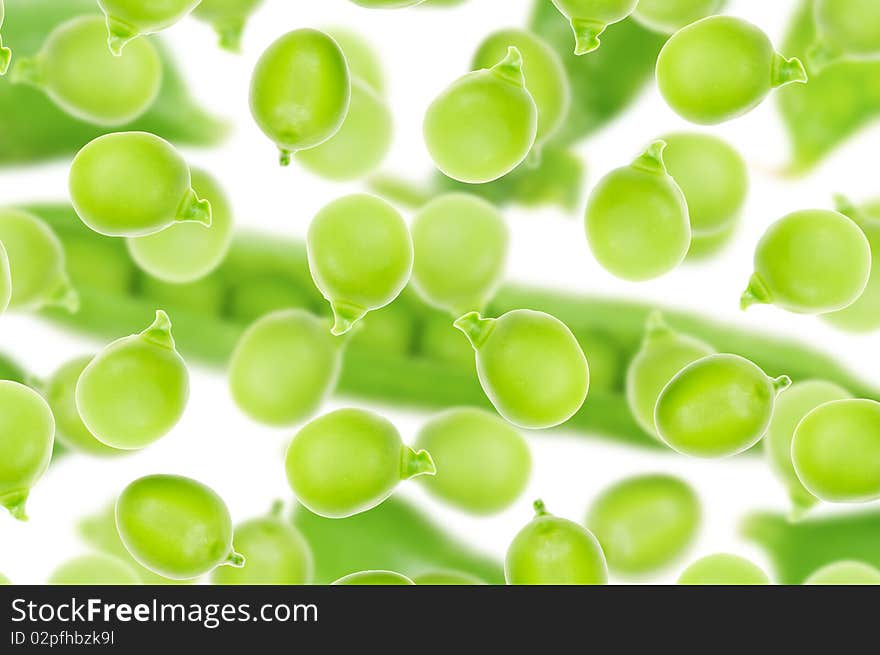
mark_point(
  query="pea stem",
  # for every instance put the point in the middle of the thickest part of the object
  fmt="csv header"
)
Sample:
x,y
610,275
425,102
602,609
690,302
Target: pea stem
x,y
64,296
755,294
787,71
586,35
194,209
651,161
230,35
414,464
15,502
344,317
5,58
284,156
159,332
781,383
540,508
656,326
510,68
118,34
476,328
235,560
277,509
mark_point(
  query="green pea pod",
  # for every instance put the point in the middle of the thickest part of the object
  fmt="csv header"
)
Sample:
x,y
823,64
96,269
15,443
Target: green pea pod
x,y
34,129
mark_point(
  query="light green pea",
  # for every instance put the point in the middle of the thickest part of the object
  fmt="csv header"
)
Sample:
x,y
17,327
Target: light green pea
x,y
846,29
810,262
27,434
446,578
374,578
129,19
637,220
77,72
363,61
253,296
845,573
349,461
554,551
129,184
228,18
836,451
94,569
721,67
460,244
360,256
37,268
483,463
5,53
723,569
669,16
386,4
645,522
360,145
663,353
135,390
283,367
530,366
590,18
792,406
717,406
175,526
5,279
300,91
484,124
188,251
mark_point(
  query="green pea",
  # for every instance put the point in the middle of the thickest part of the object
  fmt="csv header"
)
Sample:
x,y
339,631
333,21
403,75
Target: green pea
x,y
460,244
27,434
360,256
277,554
483,462
253,296
792,406
545,75
129,19
446,578
175,526
187,251
717,406
135,390
5,279
115,275
363,61
133,184
483,125
37,269
637,219
349,461
845,573
300,91
810,262
360,145
94,569
389,330
77,72
721,67
589,18
847,29
5,53
554,551
645,522
283,367
663,353
723,569
530,366
669,16
374,578
228,18
836,451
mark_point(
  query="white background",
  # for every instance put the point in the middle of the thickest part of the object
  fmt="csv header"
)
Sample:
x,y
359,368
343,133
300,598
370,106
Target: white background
x,y
423,51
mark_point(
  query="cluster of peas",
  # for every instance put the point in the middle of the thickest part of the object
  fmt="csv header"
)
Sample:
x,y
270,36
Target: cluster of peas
x,y
318,97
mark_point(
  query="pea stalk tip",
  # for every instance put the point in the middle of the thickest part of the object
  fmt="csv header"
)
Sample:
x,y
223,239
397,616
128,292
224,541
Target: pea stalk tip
x,y
5,58
651,160
345,317
755,294
843,205
586,35
65,296
540,508
277,508
781,383
235,560
230,36
284,156
511,67
656,325
15,502
415,463
476,328
159,331
788,71
193,209
119,34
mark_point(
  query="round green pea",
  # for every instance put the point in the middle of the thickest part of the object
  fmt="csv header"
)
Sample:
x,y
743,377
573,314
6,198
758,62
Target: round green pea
x,y
669,16
5,53
446,578
845,573
129,19
530,366
723,569
175,526
721,67
133,184
27,434
846,28
135,390
589,18
554,551
5,279
188,251
300,91
836,451
645,522
637,221
483,125
810,262
94,569
360,256
460,243
363,61
228,18
717,406
349,461
483,463
374,578
283,367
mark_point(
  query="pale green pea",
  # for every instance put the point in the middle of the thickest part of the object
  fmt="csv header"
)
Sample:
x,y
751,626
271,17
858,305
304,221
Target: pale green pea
x,y
175,526
360,256
484,124
717,406
5,279
721,67
590,18
836,451
135,390
300,91
27,433
810,262
5,53
723,569
132,184
363,61
94,569
446,578
129,19
228,18
530,366
554,551
669,16
845,573
637,221
374,578
845,29
349,461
